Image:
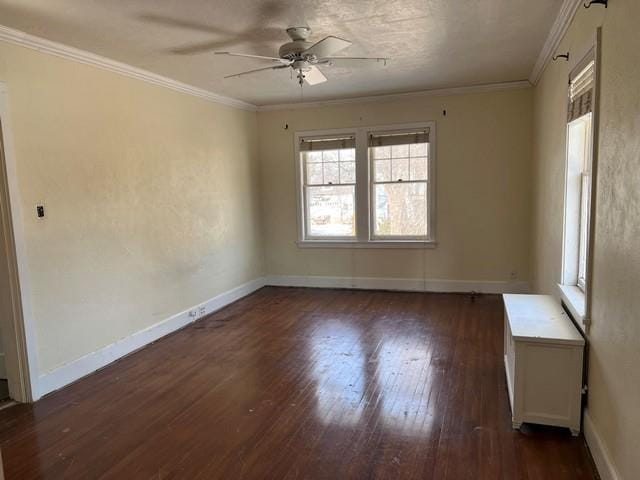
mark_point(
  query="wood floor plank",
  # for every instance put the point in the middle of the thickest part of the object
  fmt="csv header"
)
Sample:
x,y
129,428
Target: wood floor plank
x,y
293,383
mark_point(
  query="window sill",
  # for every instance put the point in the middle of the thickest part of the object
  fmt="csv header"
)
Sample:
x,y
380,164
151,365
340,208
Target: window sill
x,y
370,244
574,299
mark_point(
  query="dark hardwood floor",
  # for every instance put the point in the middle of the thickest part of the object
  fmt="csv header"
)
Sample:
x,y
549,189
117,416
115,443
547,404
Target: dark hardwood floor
x,y
299,383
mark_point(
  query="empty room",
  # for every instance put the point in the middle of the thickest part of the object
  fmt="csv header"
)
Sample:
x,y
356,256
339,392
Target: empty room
x,y
356,239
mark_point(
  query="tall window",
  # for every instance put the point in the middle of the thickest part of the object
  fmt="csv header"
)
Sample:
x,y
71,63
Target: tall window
x,y
578,174
399,184
329,186
367,186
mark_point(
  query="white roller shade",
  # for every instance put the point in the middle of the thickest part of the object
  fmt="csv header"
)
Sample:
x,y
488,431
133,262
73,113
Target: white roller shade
x,y
316,144
581,92
398,138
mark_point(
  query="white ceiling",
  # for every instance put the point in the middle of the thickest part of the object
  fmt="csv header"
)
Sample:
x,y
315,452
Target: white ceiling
x,y
432,43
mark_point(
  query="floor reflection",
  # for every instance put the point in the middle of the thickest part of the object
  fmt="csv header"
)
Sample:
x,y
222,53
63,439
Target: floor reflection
x,y
406,379
339,372
388,378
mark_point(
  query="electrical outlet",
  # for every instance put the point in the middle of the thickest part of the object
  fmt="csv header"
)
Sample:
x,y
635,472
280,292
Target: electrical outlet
x,y
514,275
193,313
202,311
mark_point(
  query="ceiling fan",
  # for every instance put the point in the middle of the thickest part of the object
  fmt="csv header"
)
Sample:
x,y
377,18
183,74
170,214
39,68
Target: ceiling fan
x,y
303,56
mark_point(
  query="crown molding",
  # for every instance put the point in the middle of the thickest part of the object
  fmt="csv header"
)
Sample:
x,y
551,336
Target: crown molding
x,y
556,34
23,39
33,42
489,87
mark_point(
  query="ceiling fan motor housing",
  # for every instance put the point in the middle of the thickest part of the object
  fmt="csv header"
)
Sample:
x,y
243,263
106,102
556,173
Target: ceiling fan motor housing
x,y
293,50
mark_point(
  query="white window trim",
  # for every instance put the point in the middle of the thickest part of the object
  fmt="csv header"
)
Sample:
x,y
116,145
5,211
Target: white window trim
x,y
364,231
576,298
573,297
304,213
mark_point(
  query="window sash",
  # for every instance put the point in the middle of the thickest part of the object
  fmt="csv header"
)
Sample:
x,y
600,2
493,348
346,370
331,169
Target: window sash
x,y
307,216
339,162
583,233
373,218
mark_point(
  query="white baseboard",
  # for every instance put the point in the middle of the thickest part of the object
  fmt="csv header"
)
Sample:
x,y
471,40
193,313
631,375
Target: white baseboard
x,y
70,372
598,450
404,284
91,362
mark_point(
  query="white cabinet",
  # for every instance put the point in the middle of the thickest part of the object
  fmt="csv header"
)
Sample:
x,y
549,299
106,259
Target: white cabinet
x,y
543,360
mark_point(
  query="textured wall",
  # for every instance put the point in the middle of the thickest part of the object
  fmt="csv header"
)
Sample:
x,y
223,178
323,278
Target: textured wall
x,y
483,189
151,200
614,378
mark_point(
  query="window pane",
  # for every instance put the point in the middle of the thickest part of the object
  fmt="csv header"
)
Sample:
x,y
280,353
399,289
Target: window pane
x,y
331,211
330,156
418,168
584,215
400,169
312,157
382,170
400,151
331,173
418,150
314,173
324,167
348,155
347,172
380,152
400,209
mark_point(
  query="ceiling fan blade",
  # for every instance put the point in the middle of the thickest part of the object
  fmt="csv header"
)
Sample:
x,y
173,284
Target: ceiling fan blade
x,y
273,59
331,59
313,76
327,46
257,70
187,24
200,47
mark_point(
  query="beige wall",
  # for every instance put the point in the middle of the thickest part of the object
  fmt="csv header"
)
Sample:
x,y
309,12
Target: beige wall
x,y
483,189
614,376
151,200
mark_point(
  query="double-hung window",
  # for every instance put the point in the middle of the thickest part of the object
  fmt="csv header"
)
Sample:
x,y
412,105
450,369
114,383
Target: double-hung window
x,y
399,184
329,186
367,187
578,185
580,150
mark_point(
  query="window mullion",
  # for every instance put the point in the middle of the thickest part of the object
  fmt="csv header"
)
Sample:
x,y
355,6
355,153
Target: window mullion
x,y
362,187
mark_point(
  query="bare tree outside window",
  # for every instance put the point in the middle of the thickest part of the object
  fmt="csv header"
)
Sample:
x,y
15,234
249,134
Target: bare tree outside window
x,y
399,184
367,187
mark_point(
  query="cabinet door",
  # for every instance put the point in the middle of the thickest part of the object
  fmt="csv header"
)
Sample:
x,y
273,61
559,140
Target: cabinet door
x,y
551,384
